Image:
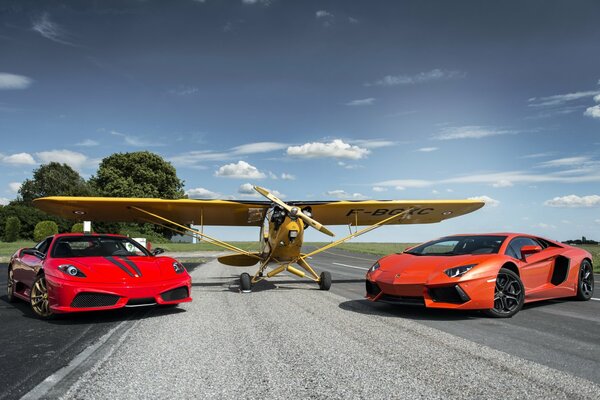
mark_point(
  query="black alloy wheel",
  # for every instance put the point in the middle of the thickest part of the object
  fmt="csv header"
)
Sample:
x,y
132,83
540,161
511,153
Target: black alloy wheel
x,y
39,298
585,283
10,286
509,295
245,283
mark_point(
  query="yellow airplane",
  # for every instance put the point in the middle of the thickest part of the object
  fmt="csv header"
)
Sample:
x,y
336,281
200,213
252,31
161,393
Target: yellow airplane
x,y
282,223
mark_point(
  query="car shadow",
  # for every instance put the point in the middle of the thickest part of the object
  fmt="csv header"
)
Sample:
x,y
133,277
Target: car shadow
x,y
414,312
94,317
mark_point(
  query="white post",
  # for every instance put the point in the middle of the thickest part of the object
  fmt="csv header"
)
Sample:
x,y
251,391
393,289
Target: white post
x,y
87,226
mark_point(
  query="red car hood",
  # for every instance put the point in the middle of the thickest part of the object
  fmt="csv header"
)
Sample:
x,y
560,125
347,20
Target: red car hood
x,y
132,269
420,269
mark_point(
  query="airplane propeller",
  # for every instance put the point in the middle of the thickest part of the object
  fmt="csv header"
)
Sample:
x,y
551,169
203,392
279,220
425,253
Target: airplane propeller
x,y
294,211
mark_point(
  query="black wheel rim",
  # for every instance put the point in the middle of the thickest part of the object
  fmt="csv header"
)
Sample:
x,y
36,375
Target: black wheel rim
x,y
10,283
508,294
586,280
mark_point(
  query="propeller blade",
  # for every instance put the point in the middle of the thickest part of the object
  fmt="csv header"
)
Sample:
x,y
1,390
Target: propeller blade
x,y
315,224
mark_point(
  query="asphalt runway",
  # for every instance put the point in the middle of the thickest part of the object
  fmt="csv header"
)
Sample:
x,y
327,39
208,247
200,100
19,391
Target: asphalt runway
x,y
288,339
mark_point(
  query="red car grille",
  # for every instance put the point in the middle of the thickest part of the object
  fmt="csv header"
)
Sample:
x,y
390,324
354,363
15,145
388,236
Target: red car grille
x,y
87,300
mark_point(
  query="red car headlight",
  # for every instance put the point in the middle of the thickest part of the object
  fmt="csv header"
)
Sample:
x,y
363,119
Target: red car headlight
x,y
71,270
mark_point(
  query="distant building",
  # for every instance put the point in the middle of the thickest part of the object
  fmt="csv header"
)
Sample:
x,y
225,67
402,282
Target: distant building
x,y
583,240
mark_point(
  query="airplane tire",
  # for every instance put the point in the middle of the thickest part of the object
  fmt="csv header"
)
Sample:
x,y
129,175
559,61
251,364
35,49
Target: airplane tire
x,y
325,281
245,283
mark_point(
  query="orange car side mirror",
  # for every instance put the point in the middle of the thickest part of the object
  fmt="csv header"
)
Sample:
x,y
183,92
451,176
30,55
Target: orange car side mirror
x,y
528,250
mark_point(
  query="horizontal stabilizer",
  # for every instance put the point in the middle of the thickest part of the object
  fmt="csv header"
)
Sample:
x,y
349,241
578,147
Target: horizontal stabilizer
x,y
240,260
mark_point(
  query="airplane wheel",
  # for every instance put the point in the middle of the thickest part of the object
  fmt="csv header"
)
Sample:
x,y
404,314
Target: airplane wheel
x,y
325,281
585,285
245,283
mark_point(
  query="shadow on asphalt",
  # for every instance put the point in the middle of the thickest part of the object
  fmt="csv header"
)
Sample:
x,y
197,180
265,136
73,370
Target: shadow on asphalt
x,y
233,283
363,306
93,317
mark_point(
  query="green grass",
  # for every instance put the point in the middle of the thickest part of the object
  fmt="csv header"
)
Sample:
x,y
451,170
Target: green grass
x,y
8,249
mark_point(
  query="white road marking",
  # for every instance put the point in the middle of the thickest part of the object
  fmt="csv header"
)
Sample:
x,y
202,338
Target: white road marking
x,y
350,266
593,298
345,255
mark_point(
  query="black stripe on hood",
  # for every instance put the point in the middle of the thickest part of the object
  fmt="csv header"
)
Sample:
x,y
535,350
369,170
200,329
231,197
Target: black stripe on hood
x,y
118,264
132,265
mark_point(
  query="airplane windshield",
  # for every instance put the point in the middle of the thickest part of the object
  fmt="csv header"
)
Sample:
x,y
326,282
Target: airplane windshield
x,y
97,246
459,245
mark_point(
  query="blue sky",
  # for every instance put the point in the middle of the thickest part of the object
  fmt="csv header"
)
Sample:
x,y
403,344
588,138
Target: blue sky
x,y
319,100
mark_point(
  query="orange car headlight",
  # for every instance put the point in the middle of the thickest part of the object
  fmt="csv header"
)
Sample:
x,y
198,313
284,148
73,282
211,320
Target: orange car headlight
x,y
459,271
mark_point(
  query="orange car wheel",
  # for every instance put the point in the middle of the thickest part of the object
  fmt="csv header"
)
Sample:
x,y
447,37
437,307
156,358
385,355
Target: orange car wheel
x,y
509,295
585,284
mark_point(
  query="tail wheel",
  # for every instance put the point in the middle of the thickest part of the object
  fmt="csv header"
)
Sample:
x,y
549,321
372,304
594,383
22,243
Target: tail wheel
x,y
585,283
325,280
245,283
10,286
509,295
39,298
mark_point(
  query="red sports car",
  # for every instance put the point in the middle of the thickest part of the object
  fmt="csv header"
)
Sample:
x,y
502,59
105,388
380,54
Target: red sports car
x,y
87,272
495,272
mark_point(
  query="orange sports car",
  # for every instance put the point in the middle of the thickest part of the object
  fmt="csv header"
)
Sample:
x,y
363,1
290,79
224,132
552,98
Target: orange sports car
x,y
494,272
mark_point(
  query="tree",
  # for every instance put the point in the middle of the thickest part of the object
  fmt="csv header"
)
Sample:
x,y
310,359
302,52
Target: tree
x,y
12,229
44,229
29,217
77,228
138,174
54,179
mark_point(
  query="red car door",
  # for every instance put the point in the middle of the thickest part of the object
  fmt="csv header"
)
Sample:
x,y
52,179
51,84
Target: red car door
x,y
534,268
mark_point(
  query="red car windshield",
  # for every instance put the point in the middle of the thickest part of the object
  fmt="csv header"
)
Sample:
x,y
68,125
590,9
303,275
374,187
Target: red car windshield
x,y
459,245
97,246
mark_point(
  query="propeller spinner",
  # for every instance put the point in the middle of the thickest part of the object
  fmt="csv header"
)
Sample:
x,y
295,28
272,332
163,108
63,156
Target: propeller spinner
x,y
293,211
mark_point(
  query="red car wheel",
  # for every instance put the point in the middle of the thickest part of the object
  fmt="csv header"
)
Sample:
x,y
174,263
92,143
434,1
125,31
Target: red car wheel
x,y
39,298
585,285
10,286
509,295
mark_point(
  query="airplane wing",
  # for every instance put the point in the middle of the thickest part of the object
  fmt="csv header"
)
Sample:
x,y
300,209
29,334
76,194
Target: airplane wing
x,y
183,211
251,213
369,212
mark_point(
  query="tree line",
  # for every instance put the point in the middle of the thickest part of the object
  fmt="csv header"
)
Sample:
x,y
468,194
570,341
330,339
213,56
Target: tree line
x,y
136,174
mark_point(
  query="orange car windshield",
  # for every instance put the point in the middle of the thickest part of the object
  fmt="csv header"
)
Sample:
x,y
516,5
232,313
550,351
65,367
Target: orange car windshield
x,y
459,245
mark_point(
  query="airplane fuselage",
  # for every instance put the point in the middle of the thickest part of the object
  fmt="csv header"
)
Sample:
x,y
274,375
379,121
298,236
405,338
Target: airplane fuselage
x,y
282,237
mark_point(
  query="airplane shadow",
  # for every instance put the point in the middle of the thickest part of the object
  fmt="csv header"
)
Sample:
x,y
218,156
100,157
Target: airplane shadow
x,y
233,284
418,313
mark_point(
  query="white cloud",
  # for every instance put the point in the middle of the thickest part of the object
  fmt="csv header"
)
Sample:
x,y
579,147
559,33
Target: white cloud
x,y
14,187
538,155
427,149
487,200
597,221
19,159
574,201
87,143
566,161
239,170
4,201
323,14
335,149
50,30
372,143
253,2
543,225
421,77
593,112
379,189
401,184
434,191
287,177
184,90
247,190
71,158
258,147
502,183
361,102
202,193
343,195
12,81
560,99
136,141
471,132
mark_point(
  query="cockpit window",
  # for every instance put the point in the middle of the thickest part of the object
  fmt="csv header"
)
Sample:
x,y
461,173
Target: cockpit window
x,y
459,245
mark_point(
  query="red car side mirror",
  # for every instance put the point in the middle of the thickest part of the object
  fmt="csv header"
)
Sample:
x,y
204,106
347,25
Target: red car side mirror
x,y
528,250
